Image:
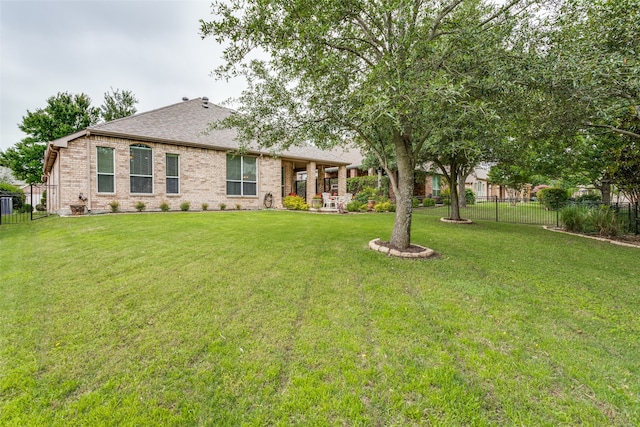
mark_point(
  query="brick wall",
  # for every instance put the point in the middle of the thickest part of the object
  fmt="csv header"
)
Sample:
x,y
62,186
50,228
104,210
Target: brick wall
x,y
202,177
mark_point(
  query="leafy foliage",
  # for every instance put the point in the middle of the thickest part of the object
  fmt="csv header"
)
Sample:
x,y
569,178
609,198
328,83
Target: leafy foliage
x,y
392,76
553,198
296,203
118,104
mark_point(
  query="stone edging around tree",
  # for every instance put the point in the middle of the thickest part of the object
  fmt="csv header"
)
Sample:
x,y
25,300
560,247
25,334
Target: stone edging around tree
x,y
455,221
417,252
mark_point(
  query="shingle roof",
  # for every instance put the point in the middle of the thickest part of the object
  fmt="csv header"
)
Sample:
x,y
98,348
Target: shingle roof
x,y
186,123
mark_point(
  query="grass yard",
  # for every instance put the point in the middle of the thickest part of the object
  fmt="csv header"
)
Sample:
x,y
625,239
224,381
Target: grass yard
x,y
286,318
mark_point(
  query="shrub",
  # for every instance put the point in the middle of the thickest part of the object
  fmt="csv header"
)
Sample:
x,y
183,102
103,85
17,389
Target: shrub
x,y
603,221
140,206
415,202
295,203
359,183
43,199
238,206
26,208
115,206
367,193
164,206
428,202
222,206
40,207
384,207
364,207
392,207
205,206
553,198
574,218
589,199
184,206
353,206
470,196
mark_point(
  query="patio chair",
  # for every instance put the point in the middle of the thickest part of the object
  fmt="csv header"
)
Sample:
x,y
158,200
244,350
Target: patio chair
x,y
327,202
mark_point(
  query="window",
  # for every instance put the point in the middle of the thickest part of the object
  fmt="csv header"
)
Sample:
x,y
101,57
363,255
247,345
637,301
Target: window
x,y
241,176
141,169
106,177
436,185
173,174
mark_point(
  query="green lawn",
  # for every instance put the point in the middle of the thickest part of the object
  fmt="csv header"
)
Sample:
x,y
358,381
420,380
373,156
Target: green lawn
x,y
286,318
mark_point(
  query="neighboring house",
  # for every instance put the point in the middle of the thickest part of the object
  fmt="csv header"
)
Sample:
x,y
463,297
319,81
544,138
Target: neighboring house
x,y
169,155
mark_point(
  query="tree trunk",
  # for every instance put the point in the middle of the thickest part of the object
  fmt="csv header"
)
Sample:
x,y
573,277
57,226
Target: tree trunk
x,y
453,188
605,189
462,190
401,235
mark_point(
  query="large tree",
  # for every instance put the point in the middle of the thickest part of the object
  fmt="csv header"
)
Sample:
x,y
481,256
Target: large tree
x,y
370,71
64,114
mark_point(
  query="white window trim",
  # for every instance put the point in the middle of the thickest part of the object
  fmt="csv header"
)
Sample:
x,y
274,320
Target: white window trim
x,y
241,181
153,190
177,156
98,173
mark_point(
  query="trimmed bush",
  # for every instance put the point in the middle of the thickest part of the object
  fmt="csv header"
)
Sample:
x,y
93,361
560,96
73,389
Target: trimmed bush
x,y
164,207
353,206
553,198
368,193
470,196
205,206
295,203
428,202
26,208
184,206
223,206
415,202
140,206
114,205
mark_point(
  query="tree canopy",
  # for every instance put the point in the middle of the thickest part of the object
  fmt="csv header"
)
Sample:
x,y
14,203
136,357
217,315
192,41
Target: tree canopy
x,y
118,104
373,72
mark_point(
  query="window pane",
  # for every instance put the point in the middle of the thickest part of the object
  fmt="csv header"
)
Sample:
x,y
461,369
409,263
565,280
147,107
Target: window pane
x,y
233,188
249,169
141,161
172,165
105,183
105,160
172,186
249,188
141,184
234,168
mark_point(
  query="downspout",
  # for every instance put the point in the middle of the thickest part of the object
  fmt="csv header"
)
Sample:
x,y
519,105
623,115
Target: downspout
x,y
88,173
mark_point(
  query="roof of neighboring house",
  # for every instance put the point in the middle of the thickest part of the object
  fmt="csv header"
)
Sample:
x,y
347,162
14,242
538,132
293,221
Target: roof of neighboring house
x,y
187,123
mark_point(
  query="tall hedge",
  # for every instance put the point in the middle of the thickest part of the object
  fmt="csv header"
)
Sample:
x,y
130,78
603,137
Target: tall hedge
x,y
553,198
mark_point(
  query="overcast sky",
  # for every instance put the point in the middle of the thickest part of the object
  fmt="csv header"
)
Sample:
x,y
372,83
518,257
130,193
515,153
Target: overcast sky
x,y
150,47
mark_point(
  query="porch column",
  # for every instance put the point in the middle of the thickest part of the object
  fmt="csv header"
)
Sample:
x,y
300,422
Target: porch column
x,y
320,179
311,181
342,180
288,177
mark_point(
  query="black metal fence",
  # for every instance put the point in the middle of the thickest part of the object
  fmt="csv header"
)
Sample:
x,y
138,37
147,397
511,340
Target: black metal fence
x,y
520,211
27,205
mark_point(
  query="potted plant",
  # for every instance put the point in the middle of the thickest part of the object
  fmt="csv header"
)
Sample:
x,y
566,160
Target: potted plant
x,y
316,202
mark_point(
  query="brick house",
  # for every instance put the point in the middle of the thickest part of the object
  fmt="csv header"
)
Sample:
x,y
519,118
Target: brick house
x,y
169,155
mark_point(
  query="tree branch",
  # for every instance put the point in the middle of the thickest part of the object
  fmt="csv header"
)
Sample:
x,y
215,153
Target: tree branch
x,y
436,23
616,130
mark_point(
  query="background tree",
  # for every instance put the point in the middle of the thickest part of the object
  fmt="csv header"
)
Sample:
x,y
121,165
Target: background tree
x,y
64,114
367,71
118,104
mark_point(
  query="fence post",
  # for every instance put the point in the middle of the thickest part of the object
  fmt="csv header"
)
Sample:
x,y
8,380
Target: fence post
x,y
496,199
637,219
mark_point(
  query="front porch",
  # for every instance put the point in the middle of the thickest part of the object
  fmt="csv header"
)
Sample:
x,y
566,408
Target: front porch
x,y
312,175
